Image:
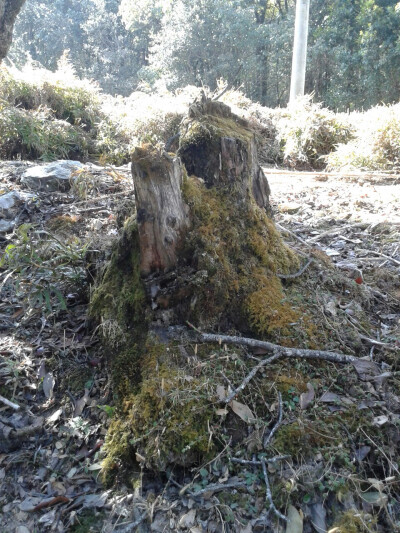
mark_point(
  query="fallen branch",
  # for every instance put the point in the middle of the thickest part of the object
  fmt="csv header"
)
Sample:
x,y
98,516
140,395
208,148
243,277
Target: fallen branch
x,y
375,342
268,438
291,233
13,405
254,462
130,528
337,230
50,503
250,376
217,487
382,255
268,493
279,351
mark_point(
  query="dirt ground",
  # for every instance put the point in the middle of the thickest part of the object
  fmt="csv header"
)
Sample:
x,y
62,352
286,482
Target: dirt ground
x,y
52,367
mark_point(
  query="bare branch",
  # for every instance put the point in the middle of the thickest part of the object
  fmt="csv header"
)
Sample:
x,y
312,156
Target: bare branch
x,y
268,493
250,376
279,350
268,438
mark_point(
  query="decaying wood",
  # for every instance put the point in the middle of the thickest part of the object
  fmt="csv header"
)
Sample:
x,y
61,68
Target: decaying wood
x,y
225,160
162,215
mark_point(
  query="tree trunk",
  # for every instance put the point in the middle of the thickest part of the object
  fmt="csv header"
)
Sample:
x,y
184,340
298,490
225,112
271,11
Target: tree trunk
x,y
9,10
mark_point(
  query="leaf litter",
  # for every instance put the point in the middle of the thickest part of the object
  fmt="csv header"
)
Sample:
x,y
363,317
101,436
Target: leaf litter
x,y
51,365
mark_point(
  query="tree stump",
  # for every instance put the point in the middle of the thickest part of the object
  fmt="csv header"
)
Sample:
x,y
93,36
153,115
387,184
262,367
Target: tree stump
x,y
203,249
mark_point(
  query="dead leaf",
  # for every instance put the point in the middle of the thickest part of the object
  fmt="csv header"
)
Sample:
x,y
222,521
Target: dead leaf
x,y
48,385
366,369
376,499
318,517
55,416
72,472
377,484
42,370
29,503
95,500
380,420
221,412
221,393
361,453
95,466
307,398
188,519
243,411
80,404
330,397
295,521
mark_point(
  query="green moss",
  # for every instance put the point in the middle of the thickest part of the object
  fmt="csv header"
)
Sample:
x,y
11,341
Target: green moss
x,y
118,304
166,420
240,250
353,521
301,439
120,296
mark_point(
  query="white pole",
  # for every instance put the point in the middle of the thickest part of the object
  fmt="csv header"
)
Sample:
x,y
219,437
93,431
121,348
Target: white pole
x,y
299,49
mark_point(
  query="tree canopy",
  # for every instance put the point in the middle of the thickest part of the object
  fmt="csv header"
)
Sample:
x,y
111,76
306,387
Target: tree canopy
x,y
353,54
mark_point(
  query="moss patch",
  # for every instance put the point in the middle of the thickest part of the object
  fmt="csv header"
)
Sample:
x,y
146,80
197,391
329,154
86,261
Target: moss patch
x,y
241,251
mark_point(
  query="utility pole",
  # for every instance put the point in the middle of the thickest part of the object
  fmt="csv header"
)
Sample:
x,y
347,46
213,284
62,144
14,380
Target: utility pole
x,y
299,50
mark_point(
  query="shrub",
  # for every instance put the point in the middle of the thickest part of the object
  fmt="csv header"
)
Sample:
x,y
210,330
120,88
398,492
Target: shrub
x,y
376,145
37,134
308,132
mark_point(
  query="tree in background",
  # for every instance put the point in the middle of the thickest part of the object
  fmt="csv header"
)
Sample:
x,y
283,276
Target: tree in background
x,y
353,54
99,45
9,10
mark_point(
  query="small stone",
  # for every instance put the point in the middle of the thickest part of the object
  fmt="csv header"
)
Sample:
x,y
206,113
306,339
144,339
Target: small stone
x,y
51,177
22,529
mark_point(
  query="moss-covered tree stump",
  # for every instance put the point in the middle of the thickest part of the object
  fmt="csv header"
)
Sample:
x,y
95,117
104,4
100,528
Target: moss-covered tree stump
x,y
202,249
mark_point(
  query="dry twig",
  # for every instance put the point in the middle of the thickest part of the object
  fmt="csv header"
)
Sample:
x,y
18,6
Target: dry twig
x,y
279,350
268,438
254,462
13,405
268,493
250,376
298,273
217,487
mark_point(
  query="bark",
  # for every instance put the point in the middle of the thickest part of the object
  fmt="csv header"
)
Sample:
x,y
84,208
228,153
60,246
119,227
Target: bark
x,y
162,216
9,10
221,155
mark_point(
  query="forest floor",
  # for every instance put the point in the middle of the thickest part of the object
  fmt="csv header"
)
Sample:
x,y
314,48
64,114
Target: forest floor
x,y
55,374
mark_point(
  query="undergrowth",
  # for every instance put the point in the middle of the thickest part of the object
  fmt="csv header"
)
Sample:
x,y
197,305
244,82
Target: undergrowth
x,y
41,268
50,115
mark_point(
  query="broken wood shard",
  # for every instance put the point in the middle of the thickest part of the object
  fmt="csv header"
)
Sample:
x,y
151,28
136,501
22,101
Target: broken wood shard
x,y
162,215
